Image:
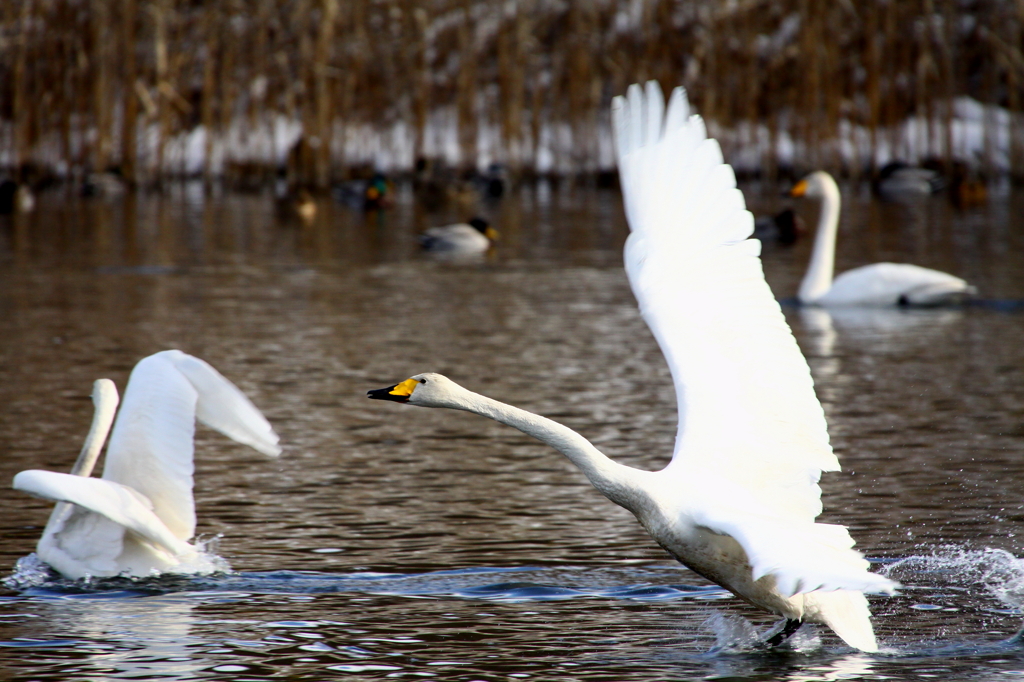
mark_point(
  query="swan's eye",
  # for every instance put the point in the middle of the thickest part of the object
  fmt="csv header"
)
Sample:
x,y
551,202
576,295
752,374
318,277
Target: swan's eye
x,y
423,381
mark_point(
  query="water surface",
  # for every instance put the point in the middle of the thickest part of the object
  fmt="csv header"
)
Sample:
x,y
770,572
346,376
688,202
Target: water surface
x,y
391,541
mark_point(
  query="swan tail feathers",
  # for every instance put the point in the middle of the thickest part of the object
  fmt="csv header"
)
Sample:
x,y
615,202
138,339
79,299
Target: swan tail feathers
x,y
222,406
939,294
847,613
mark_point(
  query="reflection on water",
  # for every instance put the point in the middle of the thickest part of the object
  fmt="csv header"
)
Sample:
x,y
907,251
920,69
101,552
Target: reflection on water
x,y
873,330
400,542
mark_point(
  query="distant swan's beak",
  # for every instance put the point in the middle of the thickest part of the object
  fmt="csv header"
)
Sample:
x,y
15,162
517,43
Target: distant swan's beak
x,y
399,392
492,234
799,189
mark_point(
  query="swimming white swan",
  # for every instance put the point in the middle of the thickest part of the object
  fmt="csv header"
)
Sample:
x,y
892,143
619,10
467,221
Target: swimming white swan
x,y
138,518
737,502
881,284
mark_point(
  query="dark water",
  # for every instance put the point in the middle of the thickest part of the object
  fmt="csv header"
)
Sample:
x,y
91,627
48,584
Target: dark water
x,y
391,541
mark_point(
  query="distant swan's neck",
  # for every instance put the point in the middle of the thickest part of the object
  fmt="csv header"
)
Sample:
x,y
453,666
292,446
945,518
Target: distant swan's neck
x,y
818,279
615,481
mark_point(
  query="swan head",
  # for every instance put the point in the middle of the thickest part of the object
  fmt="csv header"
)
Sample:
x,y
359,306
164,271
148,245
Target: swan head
x,y
817,185
426,390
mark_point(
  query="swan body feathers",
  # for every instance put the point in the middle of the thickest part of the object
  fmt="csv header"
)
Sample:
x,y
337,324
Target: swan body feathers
x,y
890,284
139,516
738,499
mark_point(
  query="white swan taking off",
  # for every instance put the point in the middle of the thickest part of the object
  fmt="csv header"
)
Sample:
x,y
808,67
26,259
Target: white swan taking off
x,y
138,518
881,284
737,502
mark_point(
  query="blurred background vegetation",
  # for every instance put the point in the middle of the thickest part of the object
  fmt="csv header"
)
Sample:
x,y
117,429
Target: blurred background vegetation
x,y
321,90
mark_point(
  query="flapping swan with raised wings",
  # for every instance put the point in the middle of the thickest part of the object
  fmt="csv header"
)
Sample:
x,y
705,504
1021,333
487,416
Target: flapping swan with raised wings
x,y
138,518
737,502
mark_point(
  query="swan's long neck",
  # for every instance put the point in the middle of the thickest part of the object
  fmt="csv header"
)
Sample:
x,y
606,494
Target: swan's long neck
x,y
615,481
818,279
104,400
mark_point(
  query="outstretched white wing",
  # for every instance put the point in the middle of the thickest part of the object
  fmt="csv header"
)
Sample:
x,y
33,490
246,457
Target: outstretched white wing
x,y
752,439
151,446
120,504
747,408
223,407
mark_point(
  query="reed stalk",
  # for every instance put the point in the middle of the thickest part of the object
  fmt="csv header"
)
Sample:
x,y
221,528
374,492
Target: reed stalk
x,y
100,19
80,78
949,78
466,90
20,113
419,73
324,105
1014,79
129,100
211,34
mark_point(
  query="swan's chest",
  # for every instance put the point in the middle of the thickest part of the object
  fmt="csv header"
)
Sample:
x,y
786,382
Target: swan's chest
x,y
718,558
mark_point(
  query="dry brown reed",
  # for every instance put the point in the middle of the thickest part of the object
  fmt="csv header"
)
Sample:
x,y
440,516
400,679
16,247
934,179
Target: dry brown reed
x,y
87,85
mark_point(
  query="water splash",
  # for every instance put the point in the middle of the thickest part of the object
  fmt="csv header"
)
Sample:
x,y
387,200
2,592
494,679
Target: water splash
x,y
733,634
29,571
737,635
206,560
998,571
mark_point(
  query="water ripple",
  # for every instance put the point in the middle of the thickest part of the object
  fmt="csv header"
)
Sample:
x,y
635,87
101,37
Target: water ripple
x,y
532,584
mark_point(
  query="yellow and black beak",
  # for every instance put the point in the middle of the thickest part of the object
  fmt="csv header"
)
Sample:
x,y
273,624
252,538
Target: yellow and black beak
x,y
799,189
400,393
492,234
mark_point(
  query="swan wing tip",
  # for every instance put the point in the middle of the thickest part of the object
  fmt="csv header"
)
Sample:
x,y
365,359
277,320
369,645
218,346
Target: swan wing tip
x,y
224,407
34,482
270,448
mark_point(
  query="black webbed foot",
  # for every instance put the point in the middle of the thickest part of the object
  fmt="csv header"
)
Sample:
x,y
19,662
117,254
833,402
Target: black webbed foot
x,y
788,629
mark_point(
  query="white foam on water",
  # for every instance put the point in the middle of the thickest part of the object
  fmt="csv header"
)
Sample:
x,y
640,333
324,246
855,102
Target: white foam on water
x,y
998,572
29,571
206,560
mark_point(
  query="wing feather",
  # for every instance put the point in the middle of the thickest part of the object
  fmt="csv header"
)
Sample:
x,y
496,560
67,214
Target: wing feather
x,y
678,110
802,557
747,408
151,448
225,408
119,503
655,112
